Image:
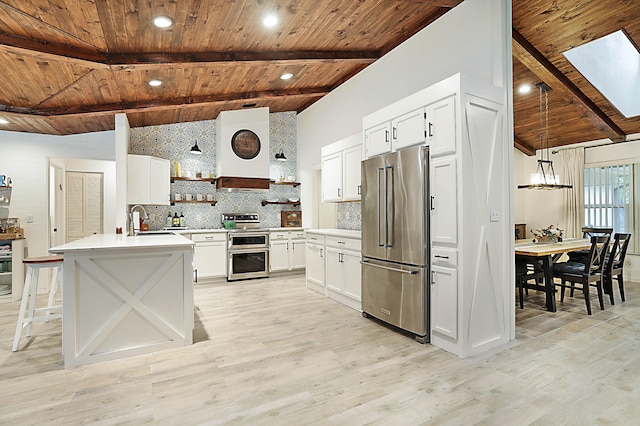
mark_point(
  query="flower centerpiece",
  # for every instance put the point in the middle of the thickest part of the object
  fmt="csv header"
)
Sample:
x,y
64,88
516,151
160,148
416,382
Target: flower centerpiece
x,y
547,235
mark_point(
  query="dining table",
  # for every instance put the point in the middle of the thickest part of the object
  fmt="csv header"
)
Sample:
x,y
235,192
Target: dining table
x,y
548,254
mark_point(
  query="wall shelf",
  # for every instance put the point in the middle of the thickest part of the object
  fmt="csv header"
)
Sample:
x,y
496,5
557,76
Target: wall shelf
x,y
213,202
192,179
292,203
274,182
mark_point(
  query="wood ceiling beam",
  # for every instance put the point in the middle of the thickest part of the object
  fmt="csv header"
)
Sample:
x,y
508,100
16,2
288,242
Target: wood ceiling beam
x,y
157,105
52,51
523,147
535,61
100,60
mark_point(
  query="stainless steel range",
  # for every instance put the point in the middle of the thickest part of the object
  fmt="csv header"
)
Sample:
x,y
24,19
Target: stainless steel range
x,y
248,246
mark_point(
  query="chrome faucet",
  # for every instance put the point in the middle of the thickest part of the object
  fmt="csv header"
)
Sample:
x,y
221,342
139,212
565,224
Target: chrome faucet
x,y
134,225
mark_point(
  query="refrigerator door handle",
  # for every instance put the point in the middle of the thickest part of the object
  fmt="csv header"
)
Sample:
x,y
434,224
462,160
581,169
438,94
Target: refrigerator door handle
x,y
389,205
388,268
381,185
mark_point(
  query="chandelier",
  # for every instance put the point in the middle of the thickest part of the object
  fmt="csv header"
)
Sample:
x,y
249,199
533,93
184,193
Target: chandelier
x,y
545,176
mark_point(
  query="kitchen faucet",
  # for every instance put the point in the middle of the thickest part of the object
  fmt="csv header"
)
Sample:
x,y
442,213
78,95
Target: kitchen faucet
x,y
134,219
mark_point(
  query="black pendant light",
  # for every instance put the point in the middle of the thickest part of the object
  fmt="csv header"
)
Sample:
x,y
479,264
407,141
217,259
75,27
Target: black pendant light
x,y
544,177
195,149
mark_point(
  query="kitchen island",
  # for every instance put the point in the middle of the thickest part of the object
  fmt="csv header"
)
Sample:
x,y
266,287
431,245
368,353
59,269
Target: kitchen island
x,y
125,295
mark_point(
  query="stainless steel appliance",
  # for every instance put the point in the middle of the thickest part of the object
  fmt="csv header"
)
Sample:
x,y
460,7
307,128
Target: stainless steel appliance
x,y
395,240
248,246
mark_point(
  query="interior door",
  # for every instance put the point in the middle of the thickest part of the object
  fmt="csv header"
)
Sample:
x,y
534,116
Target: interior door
x,y
56,203
84,204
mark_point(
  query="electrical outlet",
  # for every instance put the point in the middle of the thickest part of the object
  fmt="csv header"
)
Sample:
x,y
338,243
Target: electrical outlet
x,y
199,217
29,218
152,217
495,216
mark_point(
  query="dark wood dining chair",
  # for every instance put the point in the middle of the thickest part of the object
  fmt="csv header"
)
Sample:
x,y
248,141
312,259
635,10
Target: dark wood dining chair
x,y
527,270
614,265
586,275
588,232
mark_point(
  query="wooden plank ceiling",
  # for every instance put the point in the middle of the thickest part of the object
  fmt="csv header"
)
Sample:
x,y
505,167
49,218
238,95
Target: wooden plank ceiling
x,y
69,66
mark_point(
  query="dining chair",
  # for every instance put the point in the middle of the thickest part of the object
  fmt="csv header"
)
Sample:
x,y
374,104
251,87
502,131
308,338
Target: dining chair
x,y
588,232
588,274
527,270
614,265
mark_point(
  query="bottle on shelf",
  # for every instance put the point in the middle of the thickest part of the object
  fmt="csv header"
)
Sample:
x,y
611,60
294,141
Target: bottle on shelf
x,y
169,220
182,222
176,219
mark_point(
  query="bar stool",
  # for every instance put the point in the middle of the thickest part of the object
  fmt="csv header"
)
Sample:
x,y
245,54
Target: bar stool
x,y
26,318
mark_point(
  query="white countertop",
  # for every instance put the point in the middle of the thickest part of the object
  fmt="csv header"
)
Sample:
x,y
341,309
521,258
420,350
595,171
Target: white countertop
x,y
208,231
120,241
346,233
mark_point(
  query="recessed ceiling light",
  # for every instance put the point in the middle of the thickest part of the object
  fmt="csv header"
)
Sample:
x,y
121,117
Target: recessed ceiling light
x,y
524,88
155,83
163,21
4,121
286,76
270,21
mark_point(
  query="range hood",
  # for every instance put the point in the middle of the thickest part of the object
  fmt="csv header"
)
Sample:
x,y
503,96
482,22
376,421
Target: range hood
x,y
242,150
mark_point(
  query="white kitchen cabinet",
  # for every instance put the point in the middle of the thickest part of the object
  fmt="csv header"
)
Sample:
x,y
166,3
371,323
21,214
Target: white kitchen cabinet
x,y
332,177
351,173
287,251
377,139
341,170
315,254
210,255
148,180
343,271
444,217
279,251
441,126
444,301
409,129
298,250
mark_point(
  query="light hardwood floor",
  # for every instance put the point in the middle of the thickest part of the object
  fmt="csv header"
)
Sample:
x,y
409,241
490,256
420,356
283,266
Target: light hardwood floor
x,y
271,351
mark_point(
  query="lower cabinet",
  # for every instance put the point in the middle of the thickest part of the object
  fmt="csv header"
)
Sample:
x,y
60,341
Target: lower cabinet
x,y
333,268
210,255
287,251
315,263
444,301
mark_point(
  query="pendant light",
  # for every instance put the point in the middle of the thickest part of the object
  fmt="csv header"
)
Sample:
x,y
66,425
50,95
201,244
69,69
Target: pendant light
x,y
280,156
544,177
195,149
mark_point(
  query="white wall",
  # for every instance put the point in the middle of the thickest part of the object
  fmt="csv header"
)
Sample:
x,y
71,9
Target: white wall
x,y
467,39
24,159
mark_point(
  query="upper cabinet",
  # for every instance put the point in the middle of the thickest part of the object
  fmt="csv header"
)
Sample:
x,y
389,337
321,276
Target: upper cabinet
x,y
427,117
147,180
341,170
441,126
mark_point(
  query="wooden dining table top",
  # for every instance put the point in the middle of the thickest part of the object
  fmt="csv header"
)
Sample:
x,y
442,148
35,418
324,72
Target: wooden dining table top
x,y
529,248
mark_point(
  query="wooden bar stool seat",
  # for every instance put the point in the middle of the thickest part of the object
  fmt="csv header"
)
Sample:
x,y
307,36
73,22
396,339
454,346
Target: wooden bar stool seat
x,y
27,315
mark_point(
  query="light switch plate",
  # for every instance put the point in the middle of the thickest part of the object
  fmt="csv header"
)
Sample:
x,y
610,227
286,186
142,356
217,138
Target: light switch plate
x,y
29,218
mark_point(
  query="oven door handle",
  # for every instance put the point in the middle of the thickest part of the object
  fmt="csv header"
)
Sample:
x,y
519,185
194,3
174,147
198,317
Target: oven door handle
x,y
248,250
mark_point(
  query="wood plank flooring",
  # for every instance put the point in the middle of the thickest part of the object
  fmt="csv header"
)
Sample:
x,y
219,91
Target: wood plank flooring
x,y
271,352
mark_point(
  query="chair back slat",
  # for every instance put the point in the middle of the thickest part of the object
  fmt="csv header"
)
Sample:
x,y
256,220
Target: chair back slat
x,y
597,253
590,231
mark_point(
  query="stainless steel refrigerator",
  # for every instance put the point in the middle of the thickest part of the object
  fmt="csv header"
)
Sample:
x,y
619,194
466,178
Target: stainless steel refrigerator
x,y
395,239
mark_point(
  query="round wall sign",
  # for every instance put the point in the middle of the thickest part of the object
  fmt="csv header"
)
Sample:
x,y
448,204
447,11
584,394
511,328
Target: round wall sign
x,y
245,144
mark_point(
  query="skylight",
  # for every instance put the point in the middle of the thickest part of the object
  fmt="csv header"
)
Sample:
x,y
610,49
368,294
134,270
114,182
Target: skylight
x,y
612,65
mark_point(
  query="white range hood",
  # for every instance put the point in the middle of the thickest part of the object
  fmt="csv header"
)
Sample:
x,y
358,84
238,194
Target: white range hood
x,y
242,150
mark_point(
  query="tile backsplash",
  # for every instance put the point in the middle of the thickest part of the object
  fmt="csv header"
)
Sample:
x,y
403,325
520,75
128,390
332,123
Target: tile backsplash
x,y
348,216
173,142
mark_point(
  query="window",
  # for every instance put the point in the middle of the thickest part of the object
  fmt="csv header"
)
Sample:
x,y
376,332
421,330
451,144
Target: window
x,y
610,199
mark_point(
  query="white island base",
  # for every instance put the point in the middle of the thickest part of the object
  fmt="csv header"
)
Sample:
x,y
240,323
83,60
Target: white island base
x,y
125,296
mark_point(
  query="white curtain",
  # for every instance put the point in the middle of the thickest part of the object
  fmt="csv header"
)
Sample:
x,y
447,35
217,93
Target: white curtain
x,y
573,174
